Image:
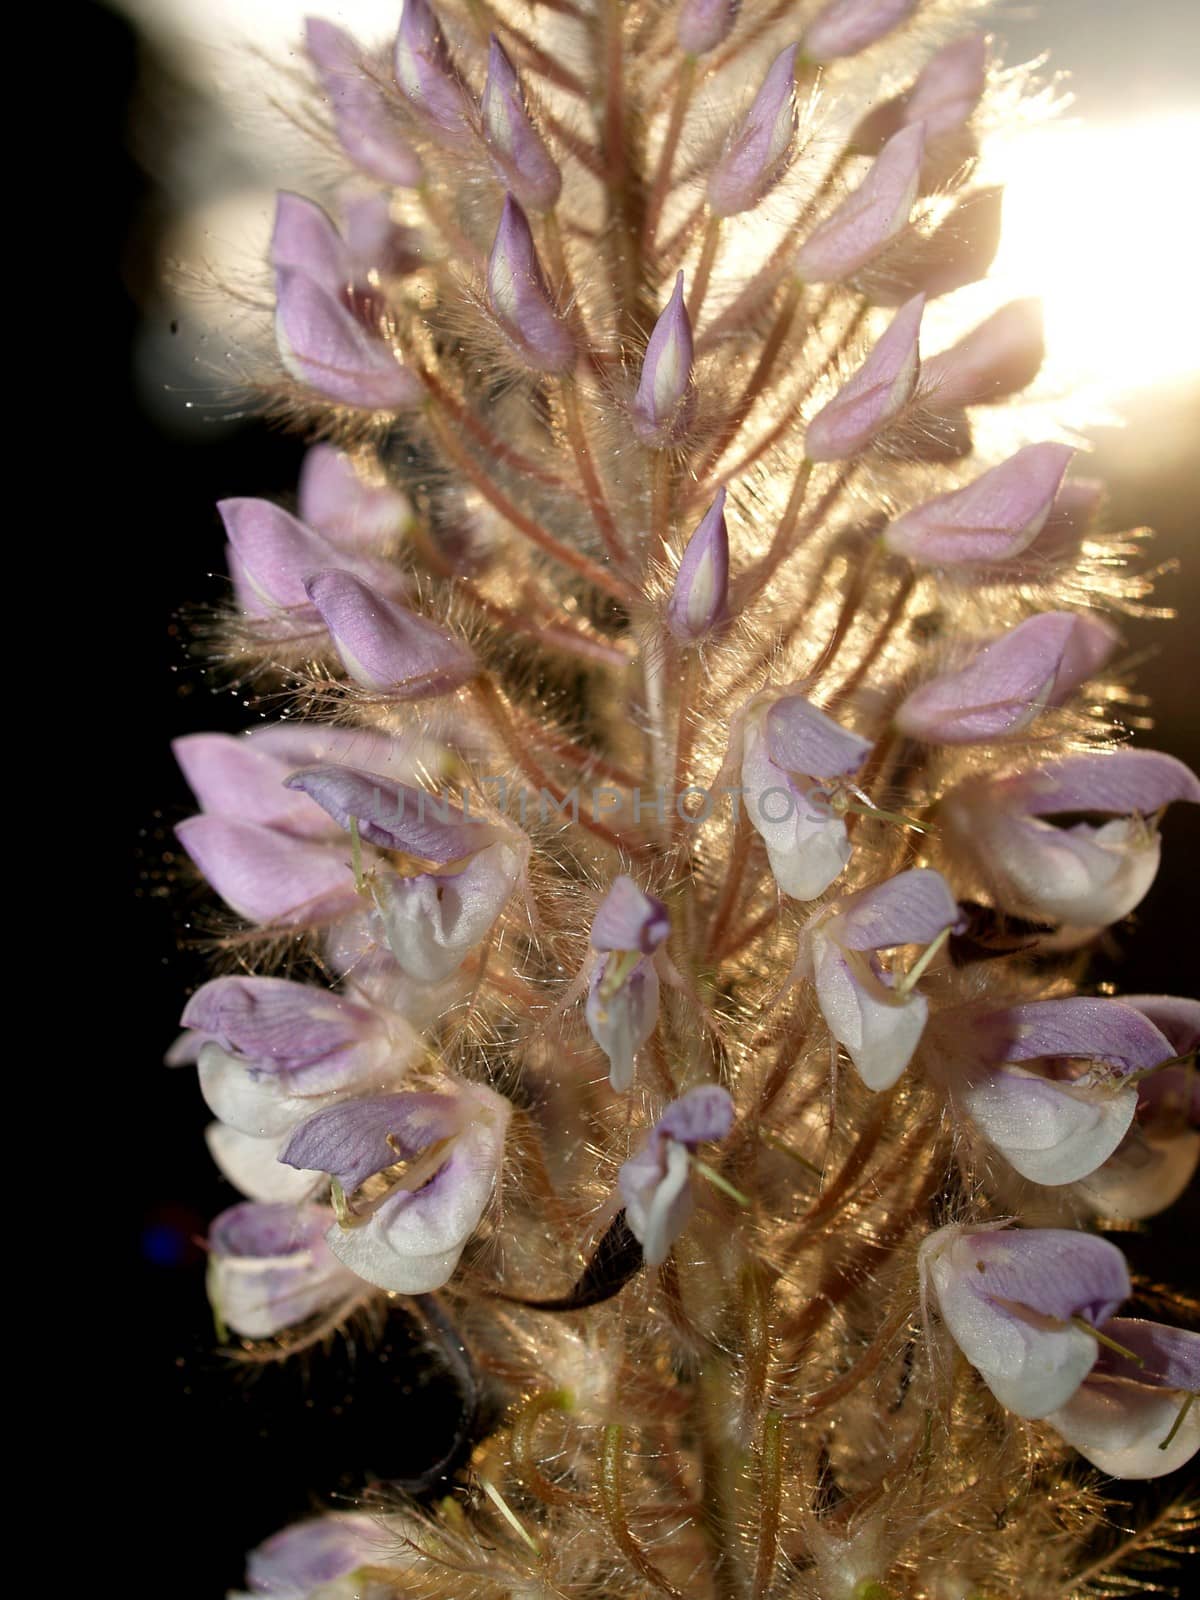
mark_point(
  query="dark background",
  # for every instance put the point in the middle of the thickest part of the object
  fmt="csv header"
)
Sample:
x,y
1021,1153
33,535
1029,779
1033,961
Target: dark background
x,y
227,1456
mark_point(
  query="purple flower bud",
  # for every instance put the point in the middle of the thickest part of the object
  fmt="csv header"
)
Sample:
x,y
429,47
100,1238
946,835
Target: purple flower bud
x,y
844,27
1000,357
520,298
759,147
1008,1298
273,555
233,777
408,1240
426,76
312,1555
350,513
664,401
704,24
277,1024
269,1268
393,815
365,125
870,218
621,1010
522,160
879,1025
384,646
700,599
789,749
958,251
877,392
1085,873
949,87
992,519
656,1183
1004,686
629,919
267,876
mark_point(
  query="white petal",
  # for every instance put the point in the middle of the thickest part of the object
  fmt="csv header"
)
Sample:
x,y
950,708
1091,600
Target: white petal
x,y
1144,1176
1052,1133
253,1166
879,1029
432,923
1119,1427
660,1223
807,846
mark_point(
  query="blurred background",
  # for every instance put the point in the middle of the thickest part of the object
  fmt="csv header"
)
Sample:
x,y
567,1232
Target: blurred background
x,y
184,150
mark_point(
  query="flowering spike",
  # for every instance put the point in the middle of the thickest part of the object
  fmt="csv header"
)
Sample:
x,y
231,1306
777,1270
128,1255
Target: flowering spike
x,y
998,358
759,146
384,646
1039,663
870,218
516,147
704,24
845,27
365,126
664,400
520,298
992,519
699,600
426,76
877,392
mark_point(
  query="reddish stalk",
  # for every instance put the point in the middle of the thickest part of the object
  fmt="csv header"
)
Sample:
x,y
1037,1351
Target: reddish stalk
x,y
666,157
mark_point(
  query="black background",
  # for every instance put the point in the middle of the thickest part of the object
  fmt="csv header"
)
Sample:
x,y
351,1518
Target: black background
x,y
224,1456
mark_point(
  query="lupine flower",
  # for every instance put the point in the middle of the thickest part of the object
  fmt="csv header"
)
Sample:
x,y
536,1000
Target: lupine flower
x,y
1045,1083
384,646
306,1560
265,875
520,298
269,1268
622,1000
521,158
366,128
425,74
878,1018
789,751
271,555
877,392
1003,355
656,1184
349,512
409,1237
1021,1305
943,97
992,519
1085,873
704,24
1008,683
664,400
869,219
844,27
699,599
759,147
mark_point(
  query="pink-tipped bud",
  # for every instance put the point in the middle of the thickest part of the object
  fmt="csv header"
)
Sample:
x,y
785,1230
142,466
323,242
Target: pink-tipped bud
x,y
949,88
1004,686
759,147
384,646
1000,357
992,519
699,601
881,388
845,27
425,74
663,403
704,24
515,145
364,123
520,297
870,218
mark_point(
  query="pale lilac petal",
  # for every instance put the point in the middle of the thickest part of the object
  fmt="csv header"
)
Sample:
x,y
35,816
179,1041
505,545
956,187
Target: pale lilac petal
x,y
1039,663
879,1029
623,1021
1121,1427
1175,1017
959,251
350,513
275,1021
322,344
877,392
1051,1133
629,919
1000,357
663,402
358,1138
949,87
913,907
1119,782
520,298
807,844
366,127
432,921
759,146
656,1187
700,596
267,876
802,739
393,815
231,777
701,1115
304,239
1170,1357
992,519
384,646
871,217
309,1555
276,553
1007,1297
425,74
844,27
516,147
270,1268
704,24
1076,1027
253,1166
